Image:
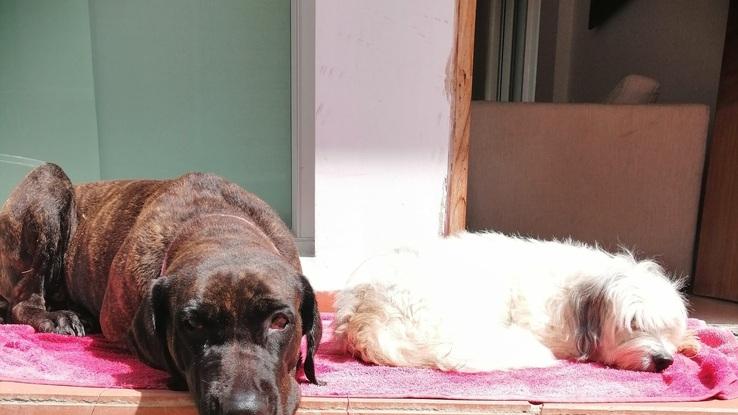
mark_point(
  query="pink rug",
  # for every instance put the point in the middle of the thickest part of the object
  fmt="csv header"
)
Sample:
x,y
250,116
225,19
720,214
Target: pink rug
x,y
91,361
53,359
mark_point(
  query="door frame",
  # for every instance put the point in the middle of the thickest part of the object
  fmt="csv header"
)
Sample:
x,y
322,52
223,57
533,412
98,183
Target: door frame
x,y
303,124
303,121
461,83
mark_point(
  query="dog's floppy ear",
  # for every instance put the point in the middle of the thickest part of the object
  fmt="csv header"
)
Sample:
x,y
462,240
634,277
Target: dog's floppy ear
x,y
148,333
589,306
311,327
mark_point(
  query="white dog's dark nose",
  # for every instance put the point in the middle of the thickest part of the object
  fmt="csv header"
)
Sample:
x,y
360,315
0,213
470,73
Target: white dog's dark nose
x,y
661,362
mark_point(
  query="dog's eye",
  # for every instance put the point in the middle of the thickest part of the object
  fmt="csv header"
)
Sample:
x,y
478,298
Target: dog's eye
x,y
279,322
633,325
193,324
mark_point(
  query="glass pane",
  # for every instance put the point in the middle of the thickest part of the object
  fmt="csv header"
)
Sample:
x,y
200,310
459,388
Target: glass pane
x,y
47,102
195,85
131,89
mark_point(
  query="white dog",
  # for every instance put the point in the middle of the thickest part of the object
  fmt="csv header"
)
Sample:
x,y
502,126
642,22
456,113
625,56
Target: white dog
x,y
486,301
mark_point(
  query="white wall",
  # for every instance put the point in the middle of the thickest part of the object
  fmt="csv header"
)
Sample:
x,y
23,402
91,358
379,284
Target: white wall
x,y
382,128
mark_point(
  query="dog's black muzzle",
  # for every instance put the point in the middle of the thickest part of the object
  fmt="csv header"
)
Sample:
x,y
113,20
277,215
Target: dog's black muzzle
x,y
238,381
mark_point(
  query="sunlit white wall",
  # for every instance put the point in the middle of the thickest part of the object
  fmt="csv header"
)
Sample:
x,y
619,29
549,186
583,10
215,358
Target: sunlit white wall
x,y
383,127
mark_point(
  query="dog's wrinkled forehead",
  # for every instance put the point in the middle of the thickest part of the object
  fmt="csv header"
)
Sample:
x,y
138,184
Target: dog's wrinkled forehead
x,y
242,291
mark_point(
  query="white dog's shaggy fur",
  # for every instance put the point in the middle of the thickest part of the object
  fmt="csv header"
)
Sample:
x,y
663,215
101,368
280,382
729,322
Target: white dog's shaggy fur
x,y
486,301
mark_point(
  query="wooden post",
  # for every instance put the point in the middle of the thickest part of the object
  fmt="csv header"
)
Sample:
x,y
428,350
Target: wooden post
x,y
461,101
716,273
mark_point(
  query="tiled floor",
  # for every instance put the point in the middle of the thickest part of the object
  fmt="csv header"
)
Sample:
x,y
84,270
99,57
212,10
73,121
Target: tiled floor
x,y
723,313
25,399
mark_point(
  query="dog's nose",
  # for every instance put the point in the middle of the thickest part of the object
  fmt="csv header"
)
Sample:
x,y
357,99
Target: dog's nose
x,y
245,403
661,362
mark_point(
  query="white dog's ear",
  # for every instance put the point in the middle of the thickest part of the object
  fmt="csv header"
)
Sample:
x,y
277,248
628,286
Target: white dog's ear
x,y
589,306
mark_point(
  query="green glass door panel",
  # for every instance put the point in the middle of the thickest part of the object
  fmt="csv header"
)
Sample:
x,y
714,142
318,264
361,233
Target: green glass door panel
x,y
186,85
47,101
12,171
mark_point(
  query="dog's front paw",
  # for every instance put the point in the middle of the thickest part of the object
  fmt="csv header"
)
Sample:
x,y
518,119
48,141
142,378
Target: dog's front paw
x,y
690,346
61,322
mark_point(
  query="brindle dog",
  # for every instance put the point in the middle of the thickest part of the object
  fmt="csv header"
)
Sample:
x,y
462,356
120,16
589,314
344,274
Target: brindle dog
x,y
196,275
